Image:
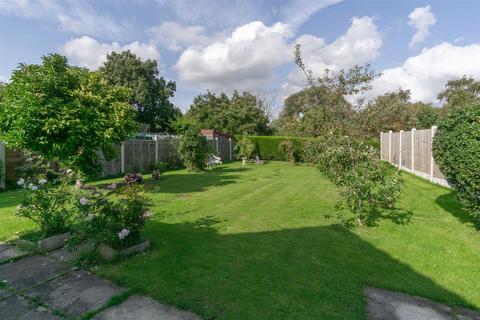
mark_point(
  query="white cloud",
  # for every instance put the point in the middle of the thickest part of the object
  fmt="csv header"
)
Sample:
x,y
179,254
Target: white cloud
x,y
425,75
88,52
73,16
251,53
421,19
359,45
296,12
177,36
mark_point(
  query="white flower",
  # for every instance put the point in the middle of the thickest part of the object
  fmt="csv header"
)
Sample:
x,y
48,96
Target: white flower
x,y
90,216
21,182
33,188
83,201
147,214
69,172
122,234
42,181
20,207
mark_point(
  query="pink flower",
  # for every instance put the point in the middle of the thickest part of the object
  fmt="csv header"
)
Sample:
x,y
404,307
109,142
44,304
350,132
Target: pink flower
x,y
83,201
123,234
69,172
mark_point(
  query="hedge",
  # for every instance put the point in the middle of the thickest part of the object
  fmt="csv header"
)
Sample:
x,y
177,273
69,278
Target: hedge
x,y
267,147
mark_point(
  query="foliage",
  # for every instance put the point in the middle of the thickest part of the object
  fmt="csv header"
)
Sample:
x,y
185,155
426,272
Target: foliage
x,y
367,187
193,148
456,149
150,93
242,113
65,113
115,222
244,148
459,93
48,203
287,148
267,147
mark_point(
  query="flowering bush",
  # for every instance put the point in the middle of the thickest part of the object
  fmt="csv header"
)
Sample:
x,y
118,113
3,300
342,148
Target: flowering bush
x,y
48,203
118,221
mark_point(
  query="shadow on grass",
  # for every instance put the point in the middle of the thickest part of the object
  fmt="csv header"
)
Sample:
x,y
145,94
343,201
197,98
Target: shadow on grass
x,y
307,273
450,203
196,181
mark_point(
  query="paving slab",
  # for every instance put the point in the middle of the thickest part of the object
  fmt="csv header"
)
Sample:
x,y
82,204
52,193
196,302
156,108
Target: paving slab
x,y
4,293
71,254
9,252
75,293
31,271
144,308
389,305
19,308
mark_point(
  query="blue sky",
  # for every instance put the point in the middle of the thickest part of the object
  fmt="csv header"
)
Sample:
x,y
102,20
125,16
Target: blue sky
x,y
243,44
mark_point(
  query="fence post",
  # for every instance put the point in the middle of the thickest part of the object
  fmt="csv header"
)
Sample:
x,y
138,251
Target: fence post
x,y
155,137
381,145
122,157
2,166
230,148
432,134
413,149
216,144
390,146
400,151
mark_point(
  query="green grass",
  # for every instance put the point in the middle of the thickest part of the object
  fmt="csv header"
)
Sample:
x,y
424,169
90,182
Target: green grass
x,y
252,243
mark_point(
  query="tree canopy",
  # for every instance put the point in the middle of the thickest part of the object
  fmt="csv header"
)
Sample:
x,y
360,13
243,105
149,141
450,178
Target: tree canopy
x,y
150,93
242,113
65,113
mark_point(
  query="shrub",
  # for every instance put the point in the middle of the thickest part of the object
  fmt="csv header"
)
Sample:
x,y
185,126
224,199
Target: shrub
x,y
288,150
48,203
267,147
115,222
368,188
456,149
244,148
193,148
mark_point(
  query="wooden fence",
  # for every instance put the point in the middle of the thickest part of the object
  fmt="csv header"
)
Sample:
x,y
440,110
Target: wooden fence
x,y
412,151
2,165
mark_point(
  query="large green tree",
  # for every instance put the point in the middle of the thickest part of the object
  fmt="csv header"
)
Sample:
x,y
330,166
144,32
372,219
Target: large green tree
x,y
150,94
459,93
242,113
65,113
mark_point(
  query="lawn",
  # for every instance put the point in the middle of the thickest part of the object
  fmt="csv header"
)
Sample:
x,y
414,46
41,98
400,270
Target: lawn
x,y
253,243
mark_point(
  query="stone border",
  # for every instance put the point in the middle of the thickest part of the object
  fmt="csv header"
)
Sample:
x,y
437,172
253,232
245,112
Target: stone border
x,y
47,244
107,253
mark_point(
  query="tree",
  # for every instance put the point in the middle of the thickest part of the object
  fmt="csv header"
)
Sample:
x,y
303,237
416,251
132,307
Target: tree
x,y
422,115
65,113
242,113
193,147
459,93
150,93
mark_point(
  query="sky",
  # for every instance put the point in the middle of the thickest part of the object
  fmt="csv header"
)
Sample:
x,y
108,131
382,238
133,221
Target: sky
x,y
222,45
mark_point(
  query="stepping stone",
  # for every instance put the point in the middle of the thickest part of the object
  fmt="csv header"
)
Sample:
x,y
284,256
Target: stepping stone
x,y
19,308
76,293
30,271
4,293
9,252
68,255
389,305
144,308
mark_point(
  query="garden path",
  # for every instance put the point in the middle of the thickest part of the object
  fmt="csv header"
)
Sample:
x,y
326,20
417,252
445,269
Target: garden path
x,y
46,288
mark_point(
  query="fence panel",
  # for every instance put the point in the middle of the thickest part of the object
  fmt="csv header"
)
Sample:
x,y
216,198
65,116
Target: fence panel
x,y
415,155
2,165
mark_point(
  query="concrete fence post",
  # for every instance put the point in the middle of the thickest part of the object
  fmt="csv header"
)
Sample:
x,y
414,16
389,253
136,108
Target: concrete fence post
x,y
400,150
432,135
216,144
2,165
381,145
122,157
155,137
230,148
390,146
413,149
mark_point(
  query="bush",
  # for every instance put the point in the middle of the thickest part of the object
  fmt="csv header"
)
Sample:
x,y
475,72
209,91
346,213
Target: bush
x,y
116,223
288,150
48,203
368,188
244,148
267,147
193,148
456,149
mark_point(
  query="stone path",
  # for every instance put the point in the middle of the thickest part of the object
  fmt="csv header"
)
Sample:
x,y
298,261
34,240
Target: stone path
x,y
389,305
35,287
